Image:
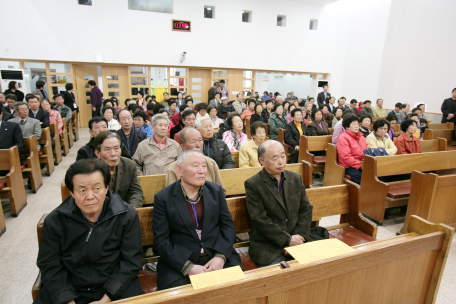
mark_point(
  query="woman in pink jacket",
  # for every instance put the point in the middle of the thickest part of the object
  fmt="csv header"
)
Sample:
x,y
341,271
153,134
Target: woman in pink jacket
x,y
350,146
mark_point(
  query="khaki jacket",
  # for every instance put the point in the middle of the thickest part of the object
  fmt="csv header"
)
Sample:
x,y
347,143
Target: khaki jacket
x,y
213,173
378,112
151,161
248,155
373,141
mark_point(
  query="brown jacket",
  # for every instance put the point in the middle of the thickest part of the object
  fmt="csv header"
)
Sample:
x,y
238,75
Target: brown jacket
x,y
213,173
151,161
273,221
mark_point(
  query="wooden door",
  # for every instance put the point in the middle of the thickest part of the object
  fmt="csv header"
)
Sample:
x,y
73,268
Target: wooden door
x,y
115,83
84,73
199,85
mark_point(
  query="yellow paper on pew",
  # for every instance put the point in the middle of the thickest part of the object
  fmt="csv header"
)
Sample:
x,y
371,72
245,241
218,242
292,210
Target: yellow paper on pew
x,y
216,277
318,250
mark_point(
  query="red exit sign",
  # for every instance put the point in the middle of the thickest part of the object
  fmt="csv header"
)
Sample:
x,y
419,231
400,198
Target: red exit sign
x,y
182,26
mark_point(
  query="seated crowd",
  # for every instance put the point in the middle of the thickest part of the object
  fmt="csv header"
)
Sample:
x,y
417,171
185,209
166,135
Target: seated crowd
x,y
193,230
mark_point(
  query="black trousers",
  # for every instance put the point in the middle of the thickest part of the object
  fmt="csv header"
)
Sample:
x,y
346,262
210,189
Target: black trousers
x,y
97,111
85,296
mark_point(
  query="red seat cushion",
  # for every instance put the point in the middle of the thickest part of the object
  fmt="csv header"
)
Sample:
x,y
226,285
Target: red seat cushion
x,y
450,148
320,160
246,261
399,190
41,153
2,183
148,277
23,166
350,236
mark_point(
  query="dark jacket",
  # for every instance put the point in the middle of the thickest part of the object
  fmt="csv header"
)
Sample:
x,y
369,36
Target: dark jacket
x,y
276,123
11,135
255,117
449,107
366,111
88,151
74,255
223,127
223,110
211,94
6,115
267,114
136,136
42,116
20,96
218,151
68,100
175,238
292,136
315,130
321,98
96,97
365,132
127,184
275,221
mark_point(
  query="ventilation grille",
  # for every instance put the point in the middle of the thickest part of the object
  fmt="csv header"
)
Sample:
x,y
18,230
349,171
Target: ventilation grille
x,y
12,75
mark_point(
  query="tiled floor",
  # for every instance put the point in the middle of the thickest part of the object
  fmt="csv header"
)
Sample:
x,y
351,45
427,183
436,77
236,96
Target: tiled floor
x,y
19,247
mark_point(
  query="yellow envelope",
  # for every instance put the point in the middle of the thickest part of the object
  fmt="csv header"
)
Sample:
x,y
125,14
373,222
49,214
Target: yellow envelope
x,y
216,277
318,250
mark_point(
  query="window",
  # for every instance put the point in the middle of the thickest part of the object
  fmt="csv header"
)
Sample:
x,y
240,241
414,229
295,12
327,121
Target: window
x,y
313,24
281,20
59,68
139,70
247,74
247,16
209,12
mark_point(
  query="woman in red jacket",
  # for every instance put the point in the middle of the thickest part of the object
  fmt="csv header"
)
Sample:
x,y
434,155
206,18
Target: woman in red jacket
x,y
406,143
350,146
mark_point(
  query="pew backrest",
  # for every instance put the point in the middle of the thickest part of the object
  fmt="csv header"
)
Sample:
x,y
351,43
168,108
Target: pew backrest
x,y
235,155
443,133
441,126
309,144
433,145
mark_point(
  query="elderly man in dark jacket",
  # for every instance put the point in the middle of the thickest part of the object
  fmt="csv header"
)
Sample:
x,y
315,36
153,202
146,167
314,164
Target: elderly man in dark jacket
x,y
278,206
91,245
213,147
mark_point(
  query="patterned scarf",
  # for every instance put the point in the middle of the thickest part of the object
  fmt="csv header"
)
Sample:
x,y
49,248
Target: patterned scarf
x,y
236,143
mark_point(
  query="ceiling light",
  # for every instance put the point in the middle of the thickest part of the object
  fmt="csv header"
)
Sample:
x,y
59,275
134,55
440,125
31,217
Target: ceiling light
x,y
208,8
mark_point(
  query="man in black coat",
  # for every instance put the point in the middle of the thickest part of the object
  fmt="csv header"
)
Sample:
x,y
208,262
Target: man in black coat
x,y
278,206
97,125
193,229
323,97
449,110
91,245
292,135
35,111
10,134
213,147
130,136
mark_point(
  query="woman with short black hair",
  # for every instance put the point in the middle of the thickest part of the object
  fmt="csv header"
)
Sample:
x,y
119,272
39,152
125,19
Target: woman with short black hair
x,y
366,121
380,138
406,143
293,132
248,154
259,115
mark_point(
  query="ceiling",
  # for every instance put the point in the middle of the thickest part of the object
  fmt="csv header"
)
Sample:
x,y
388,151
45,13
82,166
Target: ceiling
x,y
318,2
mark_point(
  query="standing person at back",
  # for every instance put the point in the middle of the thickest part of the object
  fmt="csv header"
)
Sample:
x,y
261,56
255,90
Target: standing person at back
x,y
211,93
323,97
449,110
131,137
41,89
222,89
13,88
95,98
69,99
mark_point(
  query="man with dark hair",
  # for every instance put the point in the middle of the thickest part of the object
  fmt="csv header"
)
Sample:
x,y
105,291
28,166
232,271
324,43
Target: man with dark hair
x,y
278,206
41,90
150,110
124,179
188,119
95,98
448,109
353,104
192,241
10,133
3,100
367,109
14,89
91,246
36,111
212,91
29,126
64,111
332,104
398,113
130,136
323,97
97,125
341,104
11,99
312,101
222,89
69,99
422,123
164,102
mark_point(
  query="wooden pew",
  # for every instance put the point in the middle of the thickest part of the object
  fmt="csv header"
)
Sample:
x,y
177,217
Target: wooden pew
x,y
2,222
247,128
443,130
33,169
331,130
309,144
376,196
75,123
334,173
374,273
441,126
432,198
64,140
70,133
12,185
281,139
45,155
397,129
235,155
57,146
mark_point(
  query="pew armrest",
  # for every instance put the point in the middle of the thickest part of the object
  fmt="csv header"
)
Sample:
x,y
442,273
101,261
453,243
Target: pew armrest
x,y
37,287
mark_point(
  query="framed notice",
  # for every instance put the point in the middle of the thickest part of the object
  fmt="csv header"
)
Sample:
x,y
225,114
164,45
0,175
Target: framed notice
x,y
181,26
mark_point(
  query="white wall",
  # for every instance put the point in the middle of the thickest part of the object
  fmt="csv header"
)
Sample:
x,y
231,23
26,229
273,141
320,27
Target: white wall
x,y
419,55
299,84
64,30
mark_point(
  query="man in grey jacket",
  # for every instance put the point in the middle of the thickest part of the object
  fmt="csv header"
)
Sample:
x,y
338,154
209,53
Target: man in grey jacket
x,y
29,126
64,111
